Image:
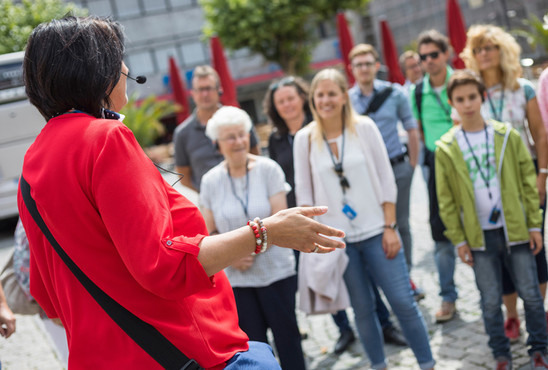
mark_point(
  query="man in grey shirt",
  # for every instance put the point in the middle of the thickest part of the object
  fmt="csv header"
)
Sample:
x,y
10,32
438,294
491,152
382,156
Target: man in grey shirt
x,y
195,153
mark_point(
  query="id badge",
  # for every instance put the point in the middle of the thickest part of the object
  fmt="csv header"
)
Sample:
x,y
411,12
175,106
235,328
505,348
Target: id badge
x,y
494,216
349,212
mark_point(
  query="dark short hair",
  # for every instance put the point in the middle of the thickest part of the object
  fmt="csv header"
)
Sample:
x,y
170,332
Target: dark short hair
x,y
463,77
433,37
270,108
73,63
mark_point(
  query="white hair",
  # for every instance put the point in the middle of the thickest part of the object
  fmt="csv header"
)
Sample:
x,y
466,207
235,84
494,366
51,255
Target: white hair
x,y
227,116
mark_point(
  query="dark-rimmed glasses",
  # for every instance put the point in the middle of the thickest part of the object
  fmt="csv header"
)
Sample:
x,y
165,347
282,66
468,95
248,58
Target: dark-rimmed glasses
x,y
486,48
432,55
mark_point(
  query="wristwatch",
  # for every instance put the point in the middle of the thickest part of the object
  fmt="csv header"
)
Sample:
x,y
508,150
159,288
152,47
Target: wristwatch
x,y
392,226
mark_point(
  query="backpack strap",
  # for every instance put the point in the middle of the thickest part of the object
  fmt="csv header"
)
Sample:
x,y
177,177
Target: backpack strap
x,y
142,333
378,100
418,98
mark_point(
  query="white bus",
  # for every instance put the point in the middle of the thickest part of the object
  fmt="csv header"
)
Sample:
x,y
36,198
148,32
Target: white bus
x,y
20,122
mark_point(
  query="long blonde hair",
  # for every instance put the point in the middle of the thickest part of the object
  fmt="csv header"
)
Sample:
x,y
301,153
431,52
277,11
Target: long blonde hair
x,y
348,116
510,51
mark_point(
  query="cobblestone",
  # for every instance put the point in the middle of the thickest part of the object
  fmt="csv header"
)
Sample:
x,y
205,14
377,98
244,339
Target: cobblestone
x,y
458,344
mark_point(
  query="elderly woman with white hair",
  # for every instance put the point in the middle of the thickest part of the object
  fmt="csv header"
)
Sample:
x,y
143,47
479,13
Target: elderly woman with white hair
x,y
240,188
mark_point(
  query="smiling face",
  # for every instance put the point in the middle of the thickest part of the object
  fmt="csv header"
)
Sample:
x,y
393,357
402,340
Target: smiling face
x,y
467,100
329,100
289,103
233,143
118,96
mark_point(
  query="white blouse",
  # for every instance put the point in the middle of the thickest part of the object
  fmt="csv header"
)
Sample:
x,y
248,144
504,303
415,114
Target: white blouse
x,y
367,168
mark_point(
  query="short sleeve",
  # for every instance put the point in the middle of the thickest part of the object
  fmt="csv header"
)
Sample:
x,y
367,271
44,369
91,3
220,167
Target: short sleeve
x,y
206,194
528,89
275,177
181,157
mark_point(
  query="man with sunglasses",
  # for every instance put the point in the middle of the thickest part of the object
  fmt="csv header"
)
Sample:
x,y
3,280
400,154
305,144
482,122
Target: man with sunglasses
x,y
195,153
387,105
433,113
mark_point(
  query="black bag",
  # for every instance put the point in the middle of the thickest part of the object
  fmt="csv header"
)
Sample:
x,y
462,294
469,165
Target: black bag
x,y
378,101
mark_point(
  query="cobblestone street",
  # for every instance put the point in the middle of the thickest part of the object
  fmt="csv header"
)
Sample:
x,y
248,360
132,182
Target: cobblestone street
x,y
458,344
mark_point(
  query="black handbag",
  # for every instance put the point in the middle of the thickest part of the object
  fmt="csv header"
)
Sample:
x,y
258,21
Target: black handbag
x,y
144,334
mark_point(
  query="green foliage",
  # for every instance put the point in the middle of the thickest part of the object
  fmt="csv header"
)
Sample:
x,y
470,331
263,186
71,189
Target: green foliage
x,y
538,34
282,31
18,20
143,118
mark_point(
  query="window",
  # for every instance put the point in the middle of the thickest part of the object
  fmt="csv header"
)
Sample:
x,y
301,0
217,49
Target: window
x,y
193,53
140,63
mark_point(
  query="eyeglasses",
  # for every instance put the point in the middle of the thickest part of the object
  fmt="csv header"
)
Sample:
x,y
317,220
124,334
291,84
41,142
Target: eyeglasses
x,y
205,89
486,48
432,55
363,65
286,81
231,139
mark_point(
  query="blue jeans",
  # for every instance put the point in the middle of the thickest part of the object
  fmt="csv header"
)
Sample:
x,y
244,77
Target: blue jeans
x,y
520,262
366,261
445,262
258,357
403,172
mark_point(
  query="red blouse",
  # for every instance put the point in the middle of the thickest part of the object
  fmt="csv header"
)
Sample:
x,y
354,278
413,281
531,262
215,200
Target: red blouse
x,y
134,236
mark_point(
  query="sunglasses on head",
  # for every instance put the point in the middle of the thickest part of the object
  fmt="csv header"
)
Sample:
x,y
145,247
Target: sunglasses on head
x,y
286,81
432,55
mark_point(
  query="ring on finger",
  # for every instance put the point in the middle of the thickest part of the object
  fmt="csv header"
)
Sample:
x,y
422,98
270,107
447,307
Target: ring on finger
x,y
316,249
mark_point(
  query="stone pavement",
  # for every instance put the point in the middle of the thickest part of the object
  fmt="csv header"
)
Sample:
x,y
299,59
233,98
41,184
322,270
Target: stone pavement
x,y
459,344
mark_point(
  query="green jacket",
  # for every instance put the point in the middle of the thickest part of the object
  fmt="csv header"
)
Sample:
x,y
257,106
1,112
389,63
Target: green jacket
x,y
517,181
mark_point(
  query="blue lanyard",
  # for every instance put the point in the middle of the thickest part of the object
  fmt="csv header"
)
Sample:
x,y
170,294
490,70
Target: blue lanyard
x,y
246,203
496,116
483,176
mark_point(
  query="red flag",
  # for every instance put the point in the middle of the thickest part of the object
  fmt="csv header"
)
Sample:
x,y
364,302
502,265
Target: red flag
x,y
456,31
179,91
390,54
346,43
218,60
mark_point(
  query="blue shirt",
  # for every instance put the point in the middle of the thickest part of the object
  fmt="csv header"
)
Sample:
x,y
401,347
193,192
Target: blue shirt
x,y
395,109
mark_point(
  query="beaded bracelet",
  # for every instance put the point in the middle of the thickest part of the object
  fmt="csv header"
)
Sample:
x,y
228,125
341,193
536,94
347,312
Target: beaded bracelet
x,y
263,232
258,240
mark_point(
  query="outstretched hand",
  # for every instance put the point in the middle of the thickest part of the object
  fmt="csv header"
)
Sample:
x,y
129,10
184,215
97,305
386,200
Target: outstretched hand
x,y
294,228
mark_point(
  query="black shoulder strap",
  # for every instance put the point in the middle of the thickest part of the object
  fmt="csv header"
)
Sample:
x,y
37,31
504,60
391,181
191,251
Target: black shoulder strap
x,y
418,99
378,100
144,334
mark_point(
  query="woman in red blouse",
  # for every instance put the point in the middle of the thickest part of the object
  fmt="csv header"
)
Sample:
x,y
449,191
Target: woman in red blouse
x,y
132,234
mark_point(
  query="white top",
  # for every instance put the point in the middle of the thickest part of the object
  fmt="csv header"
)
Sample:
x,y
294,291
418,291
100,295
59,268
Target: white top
x,y
480,148
266,179
367,168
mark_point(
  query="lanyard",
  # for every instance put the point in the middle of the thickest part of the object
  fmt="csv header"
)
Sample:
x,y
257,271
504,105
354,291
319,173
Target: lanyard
x,y
445,110
338,167
483,176
498,116
246,203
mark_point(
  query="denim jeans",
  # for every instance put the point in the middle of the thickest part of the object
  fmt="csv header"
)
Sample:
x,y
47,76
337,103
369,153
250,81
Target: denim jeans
x,y
445,262
258,357
520,262
367,260
403,172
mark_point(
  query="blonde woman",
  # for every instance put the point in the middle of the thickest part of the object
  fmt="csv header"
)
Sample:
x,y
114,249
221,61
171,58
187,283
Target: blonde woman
x,y
495,55
341,160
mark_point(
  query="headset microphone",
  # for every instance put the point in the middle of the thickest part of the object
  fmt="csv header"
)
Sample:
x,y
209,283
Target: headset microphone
x,y
139,79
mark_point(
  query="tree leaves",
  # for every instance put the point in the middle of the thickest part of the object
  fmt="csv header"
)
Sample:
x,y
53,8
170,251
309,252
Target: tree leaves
x,y
18,20
282,31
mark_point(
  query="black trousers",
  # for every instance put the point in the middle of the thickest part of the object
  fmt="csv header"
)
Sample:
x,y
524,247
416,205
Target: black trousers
x,y
273,307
